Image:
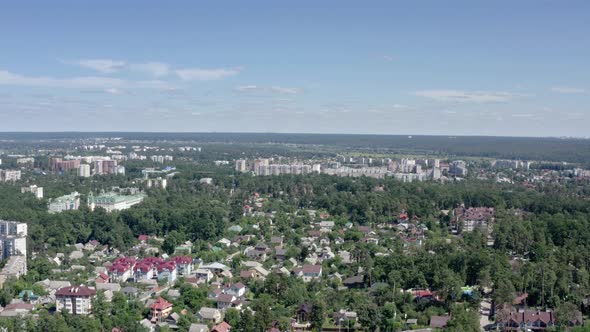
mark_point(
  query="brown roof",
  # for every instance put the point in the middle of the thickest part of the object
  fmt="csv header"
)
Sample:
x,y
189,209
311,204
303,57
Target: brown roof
x,y
312,268
439,321
75,291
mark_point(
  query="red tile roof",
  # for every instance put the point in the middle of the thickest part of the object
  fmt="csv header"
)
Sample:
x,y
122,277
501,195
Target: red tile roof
x,y
160,304
223,327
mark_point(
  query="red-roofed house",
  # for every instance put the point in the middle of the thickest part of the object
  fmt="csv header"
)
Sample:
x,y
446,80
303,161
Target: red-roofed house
x,y
167,271
143,271
160,310
143,238
184,264
102,278
223,327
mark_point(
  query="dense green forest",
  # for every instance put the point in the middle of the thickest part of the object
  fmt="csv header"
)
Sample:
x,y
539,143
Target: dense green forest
x,y
528,148
538,233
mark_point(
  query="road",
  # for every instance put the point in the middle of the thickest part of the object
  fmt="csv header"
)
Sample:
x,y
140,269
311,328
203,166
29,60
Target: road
x,y
484,312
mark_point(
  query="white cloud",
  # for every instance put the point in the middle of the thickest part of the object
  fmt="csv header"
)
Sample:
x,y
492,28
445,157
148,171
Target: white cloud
x,y
246,88
570,90
283,90
157,69
273,89
113,91
84,82
8,78
522,115
104,66
387,58
468,96
200,74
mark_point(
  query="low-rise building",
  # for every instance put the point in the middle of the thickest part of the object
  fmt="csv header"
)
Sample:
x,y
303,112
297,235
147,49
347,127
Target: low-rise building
x,y
37,191
76,300
114,202
65,203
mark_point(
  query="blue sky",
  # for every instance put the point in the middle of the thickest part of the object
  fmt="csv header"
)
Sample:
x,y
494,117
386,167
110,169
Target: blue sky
x,y
516,68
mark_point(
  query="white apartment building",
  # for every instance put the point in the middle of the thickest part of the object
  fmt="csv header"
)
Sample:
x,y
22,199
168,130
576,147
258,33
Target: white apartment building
x,y
37,191
9,175
76,300
84,171
241,165
13,238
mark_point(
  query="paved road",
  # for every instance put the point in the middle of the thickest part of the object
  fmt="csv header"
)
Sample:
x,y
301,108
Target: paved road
x,y
484,312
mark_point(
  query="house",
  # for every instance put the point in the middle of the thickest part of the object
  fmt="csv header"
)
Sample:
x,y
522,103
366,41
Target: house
x,y
216,268
345,316
256,255
354,282
276,240
225,301
28,296
160,310
204,274
131,292
122,269
237,289
114,287
247,274
439,322
222,327
167,272
143,271
143,238
77,300
102,278
310,272
198,328
184,264
526,320
326,226
17,309
281,254
209,315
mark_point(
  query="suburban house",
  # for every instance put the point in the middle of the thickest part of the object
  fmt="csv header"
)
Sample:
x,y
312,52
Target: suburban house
x,y
160,310
310,272
225,301
143,271
167,271
237,289
209,315
204,274
184,264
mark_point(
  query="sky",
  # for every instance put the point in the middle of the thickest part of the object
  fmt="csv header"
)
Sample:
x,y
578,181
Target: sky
x,y
500,68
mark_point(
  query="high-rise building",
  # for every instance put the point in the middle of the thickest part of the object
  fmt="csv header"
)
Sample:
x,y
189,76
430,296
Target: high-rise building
x,y
316,168
84,171
37,191
60,165
105,166
13,238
